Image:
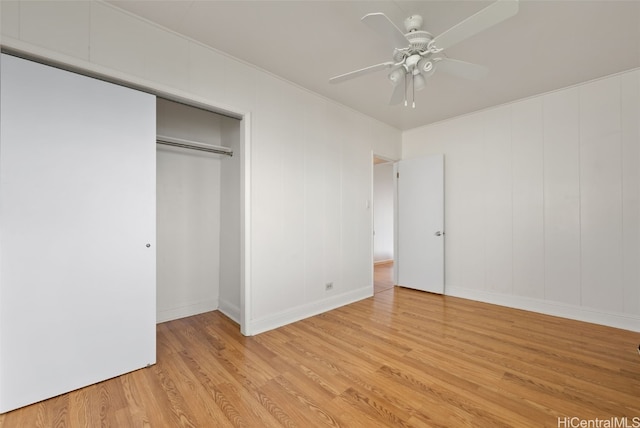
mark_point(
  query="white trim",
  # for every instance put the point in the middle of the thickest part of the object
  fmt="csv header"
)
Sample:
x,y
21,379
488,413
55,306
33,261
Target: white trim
x,y
46,56
563,310
186,310
245,226
370,205
396,252
230,310
306,311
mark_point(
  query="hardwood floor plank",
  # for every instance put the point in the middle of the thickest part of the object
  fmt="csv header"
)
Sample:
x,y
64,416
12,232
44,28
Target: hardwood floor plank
x,y
401,358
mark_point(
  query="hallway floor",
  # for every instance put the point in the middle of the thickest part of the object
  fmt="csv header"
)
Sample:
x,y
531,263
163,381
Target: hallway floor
x,y
382,277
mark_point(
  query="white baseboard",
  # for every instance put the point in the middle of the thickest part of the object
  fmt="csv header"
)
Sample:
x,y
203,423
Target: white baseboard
x,y
563,310
305,311
230,310
188,310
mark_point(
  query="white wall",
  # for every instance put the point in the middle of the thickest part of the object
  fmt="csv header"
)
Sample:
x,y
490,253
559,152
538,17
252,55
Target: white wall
x,y
188,232
542,201
182,121
383,212
310,159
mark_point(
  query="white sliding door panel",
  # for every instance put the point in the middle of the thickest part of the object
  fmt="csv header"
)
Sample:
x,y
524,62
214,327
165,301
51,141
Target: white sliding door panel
x,y
77,210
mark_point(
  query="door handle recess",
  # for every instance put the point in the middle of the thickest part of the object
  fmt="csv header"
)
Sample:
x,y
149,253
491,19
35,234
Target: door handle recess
x,y
438,233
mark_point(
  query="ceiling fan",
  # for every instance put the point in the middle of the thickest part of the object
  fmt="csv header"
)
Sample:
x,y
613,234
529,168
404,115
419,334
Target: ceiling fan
x,y
417,54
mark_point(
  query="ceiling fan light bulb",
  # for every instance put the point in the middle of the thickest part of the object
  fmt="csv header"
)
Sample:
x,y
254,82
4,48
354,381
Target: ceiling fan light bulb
x,y
396,76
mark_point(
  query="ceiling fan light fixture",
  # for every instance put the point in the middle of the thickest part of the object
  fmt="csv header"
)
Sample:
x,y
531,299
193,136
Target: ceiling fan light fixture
x,y
396,76
426,66
419,82
399,55
412,62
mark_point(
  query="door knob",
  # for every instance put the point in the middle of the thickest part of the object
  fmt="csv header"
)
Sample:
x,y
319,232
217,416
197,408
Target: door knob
x,y
438,233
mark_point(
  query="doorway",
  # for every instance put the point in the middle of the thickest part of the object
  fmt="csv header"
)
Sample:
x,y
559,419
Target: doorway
x,y
383,224
408,223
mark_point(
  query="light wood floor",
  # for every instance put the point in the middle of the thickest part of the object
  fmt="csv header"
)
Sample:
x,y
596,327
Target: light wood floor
x,y
401,358
382,277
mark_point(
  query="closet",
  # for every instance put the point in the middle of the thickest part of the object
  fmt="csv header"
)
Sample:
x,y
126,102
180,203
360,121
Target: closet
x,y
198,212
103,231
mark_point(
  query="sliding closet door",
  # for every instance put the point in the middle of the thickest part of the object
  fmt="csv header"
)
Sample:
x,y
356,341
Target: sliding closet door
x,y
77,231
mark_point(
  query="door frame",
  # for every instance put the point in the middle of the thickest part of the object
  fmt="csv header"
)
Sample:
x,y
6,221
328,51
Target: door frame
x,y
387,159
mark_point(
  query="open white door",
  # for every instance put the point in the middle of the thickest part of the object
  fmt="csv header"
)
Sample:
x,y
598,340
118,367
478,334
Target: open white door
x,y
420,223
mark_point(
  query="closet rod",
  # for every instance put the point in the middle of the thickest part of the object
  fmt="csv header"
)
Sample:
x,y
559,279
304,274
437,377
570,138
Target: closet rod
x,y
186,144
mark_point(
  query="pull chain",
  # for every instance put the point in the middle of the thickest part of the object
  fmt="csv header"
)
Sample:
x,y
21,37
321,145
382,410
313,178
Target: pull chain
x,y
405,91
413,91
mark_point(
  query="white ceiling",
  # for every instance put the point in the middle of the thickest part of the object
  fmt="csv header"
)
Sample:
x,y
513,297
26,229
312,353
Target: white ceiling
x,y
548,45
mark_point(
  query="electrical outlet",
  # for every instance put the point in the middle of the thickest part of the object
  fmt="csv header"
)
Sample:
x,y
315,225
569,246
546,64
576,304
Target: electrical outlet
x,y
328,286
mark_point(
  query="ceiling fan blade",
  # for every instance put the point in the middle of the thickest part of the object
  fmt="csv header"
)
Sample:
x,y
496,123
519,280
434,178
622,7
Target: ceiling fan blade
x,y
381,24
463,69
398,94
361,72
487,17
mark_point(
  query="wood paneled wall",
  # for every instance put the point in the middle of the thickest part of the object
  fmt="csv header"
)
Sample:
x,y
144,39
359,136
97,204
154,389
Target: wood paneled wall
x,y
542,196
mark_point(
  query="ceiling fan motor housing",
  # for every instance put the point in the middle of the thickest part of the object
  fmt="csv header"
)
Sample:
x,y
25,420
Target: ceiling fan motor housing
x,y
419,40
413,23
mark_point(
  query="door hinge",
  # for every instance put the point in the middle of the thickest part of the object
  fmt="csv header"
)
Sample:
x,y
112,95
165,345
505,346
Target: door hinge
x,y
397,175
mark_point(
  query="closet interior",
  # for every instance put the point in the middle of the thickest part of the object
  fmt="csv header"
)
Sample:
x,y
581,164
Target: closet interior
x,y
198,211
